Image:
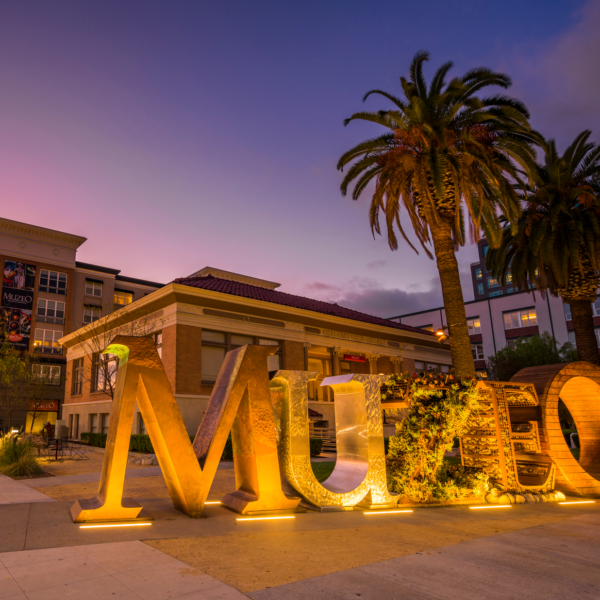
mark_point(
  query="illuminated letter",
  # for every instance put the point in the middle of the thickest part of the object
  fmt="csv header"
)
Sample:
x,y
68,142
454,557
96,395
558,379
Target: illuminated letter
x,y
242,386
359,477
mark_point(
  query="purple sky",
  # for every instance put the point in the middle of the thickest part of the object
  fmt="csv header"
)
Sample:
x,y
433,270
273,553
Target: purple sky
x,y
176,135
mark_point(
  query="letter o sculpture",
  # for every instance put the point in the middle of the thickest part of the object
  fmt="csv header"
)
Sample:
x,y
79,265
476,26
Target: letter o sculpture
x,y
577,384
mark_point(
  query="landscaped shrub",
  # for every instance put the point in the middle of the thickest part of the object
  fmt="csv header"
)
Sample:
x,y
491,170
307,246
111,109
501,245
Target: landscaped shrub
x,y
18,456
316,446
439,410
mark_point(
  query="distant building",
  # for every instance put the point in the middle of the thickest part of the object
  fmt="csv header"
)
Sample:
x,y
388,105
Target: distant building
x,y
500,315
201,317
46,294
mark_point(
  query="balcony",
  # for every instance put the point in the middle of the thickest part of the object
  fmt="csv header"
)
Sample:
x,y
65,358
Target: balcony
x,y
48,350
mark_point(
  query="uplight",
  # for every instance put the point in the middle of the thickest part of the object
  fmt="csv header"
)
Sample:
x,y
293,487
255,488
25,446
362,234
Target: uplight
x,y
580,502
491,506
265,518
213,502
114,525
385,512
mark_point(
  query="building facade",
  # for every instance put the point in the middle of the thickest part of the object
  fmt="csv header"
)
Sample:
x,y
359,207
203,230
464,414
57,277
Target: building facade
x,y
47,294
196,320
500,315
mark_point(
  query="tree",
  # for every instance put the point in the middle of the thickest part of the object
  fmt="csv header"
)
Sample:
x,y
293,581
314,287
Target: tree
x,y
555,244
448,156
15,375
100,370
528,352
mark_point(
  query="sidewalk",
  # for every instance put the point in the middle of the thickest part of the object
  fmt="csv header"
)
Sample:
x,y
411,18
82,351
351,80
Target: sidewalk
x,y
18,492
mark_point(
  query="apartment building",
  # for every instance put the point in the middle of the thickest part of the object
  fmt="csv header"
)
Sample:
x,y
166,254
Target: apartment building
x,y
47,294
195,320
500,315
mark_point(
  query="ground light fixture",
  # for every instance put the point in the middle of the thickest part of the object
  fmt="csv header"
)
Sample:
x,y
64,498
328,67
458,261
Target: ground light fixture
x,y
491,506
265,518
580,502
213,502
385,512
104,525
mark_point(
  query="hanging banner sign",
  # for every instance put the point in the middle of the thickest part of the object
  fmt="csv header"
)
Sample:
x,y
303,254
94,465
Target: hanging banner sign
x,y
354,358
16,305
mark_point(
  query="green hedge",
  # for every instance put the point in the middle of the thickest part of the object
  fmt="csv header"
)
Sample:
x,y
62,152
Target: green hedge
x,y
141,443
316,446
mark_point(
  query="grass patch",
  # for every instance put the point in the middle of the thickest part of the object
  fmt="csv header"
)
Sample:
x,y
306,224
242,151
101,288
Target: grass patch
x,y
322,470
575,452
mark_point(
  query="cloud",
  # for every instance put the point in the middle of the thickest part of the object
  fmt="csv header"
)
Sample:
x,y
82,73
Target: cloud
x,y
560,81
376,264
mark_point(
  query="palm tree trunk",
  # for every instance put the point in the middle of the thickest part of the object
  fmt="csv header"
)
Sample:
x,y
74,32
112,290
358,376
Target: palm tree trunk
x,y
585,338
460,343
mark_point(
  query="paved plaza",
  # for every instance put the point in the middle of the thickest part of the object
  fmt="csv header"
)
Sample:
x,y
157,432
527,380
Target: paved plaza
x,y
533,550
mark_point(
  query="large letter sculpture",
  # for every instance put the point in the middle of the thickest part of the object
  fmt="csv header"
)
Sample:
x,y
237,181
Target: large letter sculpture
x,y
359,477
241,394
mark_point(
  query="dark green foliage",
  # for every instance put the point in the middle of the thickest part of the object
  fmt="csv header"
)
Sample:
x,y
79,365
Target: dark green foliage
x,y
18,457
527,352
316,446
415,462
94,439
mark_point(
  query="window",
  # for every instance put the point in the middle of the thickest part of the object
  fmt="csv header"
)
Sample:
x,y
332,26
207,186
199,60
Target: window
x,y
158,342
474,325
572,338
596,307
91,314
485,250
494,294
478,273
53,282
509,277
426,327
481,374
445,368
77,382
46,341
50,311
46,374
493,282
104,422
141,425
477,351
104,372
480,289
93,288
419,366
93,423
215,344
567,312
122,297
520,318
509,290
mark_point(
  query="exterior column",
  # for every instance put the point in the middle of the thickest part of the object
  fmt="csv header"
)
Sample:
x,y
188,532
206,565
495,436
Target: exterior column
x,y
336,352
395,360
306,347
372,358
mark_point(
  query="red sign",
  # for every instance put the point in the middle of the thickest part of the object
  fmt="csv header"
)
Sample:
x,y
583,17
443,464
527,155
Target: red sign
x,y
354,358
45,406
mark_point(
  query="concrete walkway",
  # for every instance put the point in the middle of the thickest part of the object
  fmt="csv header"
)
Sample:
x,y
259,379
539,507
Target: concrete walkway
x,y
17,492
559,560
122,570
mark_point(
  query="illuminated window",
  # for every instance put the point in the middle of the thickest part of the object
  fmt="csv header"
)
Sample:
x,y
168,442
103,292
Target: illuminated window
x,y
77,383
481,374
474,325
91,314
480,289
93,288
493,282
477,351
520,318
46,341
46,374
478,273
426,327
122,297
50,311
104,372
509,277
53,282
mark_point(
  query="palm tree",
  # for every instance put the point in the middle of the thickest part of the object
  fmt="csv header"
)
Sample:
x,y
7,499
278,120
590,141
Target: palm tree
x,y
556,243
447,156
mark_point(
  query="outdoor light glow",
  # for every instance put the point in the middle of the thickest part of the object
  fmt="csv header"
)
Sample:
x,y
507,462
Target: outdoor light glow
x,y
213,502
114,525
14,431
580,502
385,512
264,518
440,332
492,506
